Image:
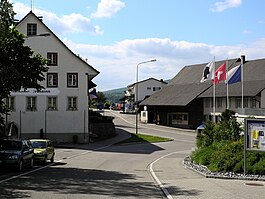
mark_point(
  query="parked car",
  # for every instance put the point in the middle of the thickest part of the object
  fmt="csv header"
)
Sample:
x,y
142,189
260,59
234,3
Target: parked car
x,y
43,150
16,152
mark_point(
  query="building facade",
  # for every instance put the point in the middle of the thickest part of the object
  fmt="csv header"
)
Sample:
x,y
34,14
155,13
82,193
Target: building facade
x,y
141,90
186,102
60,110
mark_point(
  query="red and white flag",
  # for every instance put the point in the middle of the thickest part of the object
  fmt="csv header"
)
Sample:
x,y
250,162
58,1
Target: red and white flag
x,y
220,74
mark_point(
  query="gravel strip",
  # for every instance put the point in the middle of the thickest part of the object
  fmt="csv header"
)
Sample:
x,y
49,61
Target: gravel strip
x,y
203,170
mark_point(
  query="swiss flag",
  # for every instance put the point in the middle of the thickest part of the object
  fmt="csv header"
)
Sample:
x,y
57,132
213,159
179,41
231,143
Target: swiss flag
x,y
220,74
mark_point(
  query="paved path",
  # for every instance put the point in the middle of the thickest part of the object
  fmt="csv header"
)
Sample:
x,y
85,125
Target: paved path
x,y
181,182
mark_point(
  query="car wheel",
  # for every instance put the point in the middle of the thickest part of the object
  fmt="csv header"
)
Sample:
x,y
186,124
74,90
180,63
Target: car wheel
x,y
52,159
20,165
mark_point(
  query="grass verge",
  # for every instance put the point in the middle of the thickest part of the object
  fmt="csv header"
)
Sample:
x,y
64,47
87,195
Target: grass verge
x,y
141,138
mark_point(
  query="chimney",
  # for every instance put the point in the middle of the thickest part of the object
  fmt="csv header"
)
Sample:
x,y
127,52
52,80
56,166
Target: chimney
x,y
40,18
243,59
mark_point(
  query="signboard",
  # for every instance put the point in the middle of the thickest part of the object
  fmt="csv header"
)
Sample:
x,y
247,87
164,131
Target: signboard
x,y
255,134
35,92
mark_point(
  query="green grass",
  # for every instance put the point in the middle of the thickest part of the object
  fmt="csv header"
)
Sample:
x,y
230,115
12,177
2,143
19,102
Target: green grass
x,y
141,138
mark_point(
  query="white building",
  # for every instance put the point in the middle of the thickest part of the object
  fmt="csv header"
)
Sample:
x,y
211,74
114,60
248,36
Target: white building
x,y
61,109
145,88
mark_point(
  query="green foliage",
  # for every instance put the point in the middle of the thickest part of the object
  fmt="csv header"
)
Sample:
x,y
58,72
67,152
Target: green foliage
x,y
221,148
227,155
206,137
227,129
114,96
19,66
141,138
6,15
203,155
99,101
107,105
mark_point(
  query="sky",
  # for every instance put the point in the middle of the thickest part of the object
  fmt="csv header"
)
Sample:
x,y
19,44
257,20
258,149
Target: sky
x,y
116,35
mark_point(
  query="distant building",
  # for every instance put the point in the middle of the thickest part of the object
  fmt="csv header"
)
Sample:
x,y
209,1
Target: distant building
x,y
60,111
145,88
186,103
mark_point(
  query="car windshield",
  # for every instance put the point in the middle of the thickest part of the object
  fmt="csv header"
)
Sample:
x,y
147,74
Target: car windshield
x,y
38,144
10,145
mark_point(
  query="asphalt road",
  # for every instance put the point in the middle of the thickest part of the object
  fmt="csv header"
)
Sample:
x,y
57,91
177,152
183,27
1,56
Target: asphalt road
x,y
101,170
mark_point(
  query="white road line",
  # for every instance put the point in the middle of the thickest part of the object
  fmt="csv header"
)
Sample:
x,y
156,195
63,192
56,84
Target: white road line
x,y
158,182
123,118
162,128
44,167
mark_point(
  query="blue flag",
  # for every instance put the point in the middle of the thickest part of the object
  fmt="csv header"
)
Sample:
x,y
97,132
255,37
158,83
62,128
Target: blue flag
x,y
234,75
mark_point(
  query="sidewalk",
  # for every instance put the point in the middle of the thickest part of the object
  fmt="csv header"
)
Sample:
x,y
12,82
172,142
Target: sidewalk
x,y
181,182
121,135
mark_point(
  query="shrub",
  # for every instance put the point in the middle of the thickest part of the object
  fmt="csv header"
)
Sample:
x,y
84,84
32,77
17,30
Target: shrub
x,y
203,155
221,148
206,138
227,156
258,168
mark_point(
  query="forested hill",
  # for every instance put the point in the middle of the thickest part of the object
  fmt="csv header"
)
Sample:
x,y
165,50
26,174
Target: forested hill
x,y
114,95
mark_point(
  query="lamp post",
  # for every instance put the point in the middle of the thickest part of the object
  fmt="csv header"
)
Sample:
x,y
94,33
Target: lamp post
x,y
137,92
88,99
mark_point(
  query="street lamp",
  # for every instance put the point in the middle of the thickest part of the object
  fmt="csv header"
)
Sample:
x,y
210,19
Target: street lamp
x,y
136,94
88,99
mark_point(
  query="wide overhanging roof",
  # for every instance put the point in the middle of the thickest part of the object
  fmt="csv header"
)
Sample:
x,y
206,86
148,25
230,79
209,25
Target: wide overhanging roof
x,y
176,95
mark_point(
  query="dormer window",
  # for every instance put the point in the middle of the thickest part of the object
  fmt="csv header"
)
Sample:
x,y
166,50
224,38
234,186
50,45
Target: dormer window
x,y
31,29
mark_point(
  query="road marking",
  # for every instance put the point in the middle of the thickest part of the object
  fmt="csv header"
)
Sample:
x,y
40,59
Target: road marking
x,y
58,161
158,182
123,119
162,128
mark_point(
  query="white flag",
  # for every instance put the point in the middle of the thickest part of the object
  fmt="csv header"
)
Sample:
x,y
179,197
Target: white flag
x,y
208,72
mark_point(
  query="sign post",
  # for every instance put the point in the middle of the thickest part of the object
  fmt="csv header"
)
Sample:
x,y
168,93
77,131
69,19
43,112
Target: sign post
x,y
254,137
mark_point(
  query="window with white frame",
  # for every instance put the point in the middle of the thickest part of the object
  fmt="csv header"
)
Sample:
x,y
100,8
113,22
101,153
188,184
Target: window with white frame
x,y
148,88
72,103
72,80
31,103
31,29
52,103
52,80
10,102
52,59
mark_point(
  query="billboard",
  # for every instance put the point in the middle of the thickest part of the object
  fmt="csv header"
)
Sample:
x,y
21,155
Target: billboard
x,y
255,134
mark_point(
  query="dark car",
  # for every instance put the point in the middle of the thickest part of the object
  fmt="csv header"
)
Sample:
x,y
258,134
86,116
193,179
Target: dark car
x,y
16,152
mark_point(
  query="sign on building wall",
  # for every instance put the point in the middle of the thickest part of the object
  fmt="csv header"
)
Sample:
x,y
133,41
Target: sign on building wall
x,y
35,92
255,134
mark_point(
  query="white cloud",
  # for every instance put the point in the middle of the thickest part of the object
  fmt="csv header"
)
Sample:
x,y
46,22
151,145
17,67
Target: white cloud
x,y
220,6
107,8
61,24
117,62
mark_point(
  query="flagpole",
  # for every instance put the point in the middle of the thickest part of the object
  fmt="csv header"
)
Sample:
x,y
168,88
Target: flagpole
x,y
227,91
213,78
242,79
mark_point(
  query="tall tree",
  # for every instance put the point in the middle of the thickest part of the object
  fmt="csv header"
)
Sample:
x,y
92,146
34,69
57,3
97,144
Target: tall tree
x,y
19,66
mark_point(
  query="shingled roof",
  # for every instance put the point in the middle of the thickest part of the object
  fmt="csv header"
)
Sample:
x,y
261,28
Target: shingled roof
x,y
253,82
186,86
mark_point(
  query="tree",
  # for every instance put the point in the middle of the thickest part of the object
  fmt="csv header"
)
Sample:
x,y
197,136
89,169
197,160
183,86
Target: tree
x,y
19,66
228,129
